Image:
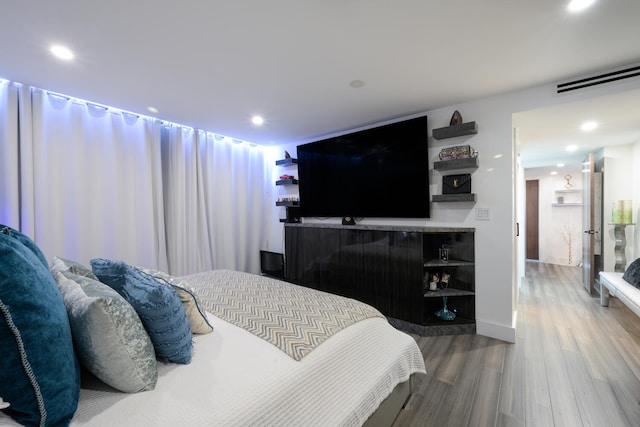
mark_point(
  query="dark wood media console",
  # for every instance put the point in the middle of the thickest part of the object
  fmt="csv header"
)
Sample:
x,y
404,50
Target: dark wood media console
x,y
385,266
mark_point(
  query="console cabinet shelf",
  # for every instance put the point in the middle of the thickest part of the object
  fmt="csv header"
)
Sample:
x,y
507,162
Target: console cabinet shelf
x,y
386,266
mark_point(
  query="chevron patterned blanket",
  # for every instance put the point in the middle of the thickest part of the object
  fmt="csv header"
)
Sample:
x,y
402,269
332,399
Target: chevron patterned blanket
x,y
293,318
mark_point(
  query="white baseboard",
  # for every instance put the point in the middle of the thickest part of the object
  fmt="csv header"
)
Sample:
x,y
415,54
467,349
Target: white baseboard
x,y
497,331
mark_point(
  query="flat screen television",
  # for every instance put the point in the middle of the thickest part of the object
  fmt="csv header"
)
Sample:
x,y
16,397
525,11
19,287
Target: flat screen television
x,y
381,172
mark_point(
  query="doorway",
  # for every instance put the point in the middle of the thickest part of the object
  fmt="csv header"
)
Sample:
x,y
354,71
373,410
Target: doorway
x,y
532,220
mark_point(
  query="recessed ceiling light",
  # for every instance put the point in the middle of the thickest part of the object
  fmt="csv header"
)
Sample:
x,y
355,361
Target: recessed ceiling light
x,y
553,173
497,156
61,52
588,126
572,147
153,110
356,84
257,120
579,5
560,165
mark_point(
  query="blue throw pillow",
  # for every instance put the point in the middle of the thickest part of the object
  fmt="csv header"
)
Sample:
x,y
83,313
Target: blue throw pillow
x,y
158,306
39,372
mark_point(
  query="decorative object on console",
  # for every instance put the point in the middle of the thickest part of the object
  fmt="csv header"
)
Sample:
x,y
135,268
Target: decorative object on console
x,y
433,285
444,253
456,184
457,152
287,155
444,313
622,212
456,119
348,220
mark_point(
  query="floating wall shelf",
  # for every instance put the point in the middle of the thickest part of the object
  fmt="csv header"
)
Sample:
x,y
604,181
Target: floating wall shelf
x,y
469,163
465,197
287,162
469,128
287,181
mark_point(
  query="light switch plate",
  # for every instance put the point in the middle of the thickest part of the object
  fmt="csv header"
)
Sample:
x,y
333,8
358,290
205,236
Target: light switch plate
x,y
482,214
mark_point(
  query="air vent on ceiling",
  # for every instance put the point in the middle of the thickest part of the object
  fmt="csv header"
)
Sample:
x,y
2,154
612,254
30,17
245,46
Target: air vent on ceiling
x,y
599,79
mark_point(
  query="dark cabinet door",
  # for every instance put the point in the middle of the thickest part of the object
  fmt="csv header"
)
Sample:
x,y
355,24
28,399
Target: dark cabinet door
x,y
380,268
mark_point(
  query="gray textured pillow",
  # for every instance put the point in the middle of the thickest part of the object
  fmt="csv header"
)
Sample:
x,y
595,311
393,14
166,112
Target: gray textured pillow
x,y
108,335
632,273
62,265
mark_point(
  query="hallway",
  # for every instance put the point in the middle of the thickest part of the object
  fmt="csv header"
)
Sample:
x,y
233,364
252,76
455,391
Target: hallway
x,y
574,363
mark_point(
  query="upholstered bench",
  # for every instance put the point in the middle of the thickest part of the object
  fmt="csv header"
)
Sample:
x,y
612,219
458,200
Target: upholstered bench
x,y
614,284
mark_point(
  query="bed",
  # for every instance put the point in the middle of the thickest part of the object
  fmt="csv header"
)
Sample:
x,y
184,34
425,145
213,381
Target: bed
x,y
358,373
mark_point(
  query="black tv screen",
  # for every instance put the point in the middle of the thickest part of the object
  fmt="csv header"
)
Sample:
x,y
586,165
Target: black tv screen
x,y
379,172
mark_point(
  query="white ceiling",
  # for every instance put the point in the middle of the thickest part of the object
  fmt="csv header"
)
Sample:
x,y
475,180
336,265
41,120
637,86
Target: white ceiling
x,y
545,133
213,64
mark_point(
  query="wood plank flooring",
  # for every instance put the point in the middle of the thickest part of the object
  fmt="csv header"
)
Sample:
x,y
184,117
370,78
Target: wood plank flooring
x,y
574,363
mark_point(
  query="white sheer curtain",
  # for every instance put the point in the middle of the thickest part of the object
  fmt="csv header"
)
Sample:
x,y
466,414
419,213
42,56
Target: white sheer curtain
x,y
90,180
9,155
85,181
214,201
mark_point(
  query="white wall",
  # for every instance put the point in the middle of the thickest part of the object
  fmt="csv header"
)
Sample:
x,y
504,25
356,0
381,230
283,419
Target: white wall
x,y
634,242
618,184
495,185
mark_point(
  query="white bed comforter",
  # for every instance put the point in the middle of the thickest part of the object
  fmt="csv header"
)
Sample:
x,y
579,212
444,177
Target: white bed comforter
x,y
237,379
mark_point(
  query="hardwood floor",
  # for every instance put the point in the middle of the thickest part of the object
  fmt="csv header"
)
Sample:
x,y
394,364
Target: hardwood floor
x,y
574,363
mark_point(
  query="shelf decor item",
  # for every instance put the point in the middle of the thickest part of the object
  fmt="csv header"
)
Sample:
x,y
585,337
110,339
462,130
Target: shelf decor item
x,y
444,313
568,185
456,119
456,184
456,152
444,253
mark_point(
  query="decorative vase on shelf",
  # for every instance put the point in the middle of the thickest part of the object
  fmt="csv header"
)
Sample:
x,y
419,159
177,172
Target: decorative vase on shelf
x,y
444,312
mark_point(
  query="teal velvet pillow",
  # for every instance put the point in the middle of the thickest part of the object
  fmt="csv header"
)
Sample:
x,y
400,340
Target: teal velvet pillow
x,y
158,306
26,241
109,338
39,372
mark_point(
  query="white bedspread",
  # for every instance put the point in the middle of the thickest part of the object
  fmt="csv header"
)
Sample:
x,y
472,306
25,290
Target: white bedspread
x,y
236,379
